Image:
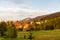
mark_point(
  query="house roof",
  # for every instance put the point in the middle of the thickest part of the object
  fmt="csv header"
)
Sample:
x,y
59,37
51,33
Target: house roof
x,y
16,22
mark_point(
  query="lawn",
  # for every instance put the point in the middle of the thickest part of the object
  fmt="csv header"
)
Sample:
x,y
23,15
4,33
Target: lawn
x,y
37,35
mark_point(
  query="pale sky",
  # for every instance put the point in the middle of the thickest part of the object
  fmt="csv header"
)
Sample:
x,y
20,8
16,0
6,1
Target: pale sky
x,y
21,9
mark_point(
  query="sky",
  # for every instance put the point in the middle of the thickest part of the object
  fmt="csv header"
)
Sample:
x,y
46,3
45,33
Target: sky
x,y
21,9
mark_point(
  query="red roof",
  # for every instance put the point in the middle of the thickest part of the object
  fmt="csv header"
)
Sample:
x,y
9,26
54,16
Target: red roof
x,y
16,22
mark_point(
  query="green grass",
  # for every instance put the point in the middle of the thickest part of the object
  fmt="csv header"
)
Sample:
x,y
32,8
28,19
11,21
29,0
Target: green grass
x,y
38,35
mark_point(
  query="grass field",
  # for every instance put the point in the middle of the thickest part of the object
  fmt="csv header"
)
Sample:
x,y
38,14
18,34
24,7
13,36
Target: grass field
x,y
38,35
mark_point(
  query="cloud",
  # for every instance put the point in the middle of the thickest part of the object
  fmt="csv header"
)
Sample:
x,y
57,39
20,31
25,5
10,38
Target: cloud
x,y
15,1
19,13
18,1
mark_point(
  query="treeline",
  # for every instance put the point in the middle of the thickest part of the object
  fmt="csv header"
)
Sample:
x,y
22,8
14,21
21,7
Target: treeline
x,y
45,24
48,22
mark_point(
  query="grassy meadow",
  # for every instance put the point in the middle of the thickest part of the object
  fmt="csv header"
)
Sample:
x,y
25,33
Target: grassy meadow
x,y
37,35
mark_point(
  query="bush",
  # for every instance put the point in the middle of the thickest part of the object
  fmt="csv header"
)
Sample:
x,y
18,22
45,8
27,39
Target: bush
x,y
49,27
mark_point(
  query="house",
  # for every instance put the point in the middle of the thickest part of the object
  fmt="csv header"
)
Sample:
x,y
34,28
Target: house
x,y
17,24
26,25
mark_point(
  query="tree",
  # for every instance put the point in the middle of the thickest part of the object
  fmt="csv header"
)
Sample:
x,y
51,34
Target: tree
x,y
49,27
12,32
3,28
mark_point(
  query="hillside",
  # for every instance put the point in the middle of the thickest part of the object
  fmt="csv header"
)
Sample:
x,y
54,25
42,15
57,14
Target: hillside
x,y
50,16
43,17
45,22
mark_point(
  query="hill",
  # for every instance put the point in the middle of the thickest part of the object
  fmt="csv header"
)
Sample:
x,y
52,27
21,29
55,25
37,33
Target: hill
x,y
50,16
45,22
43,17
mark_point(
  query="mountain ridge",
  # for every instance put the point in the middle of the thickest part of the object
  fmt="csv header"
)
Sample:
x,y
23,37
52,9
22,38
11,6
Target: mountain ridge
x,y
43,17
